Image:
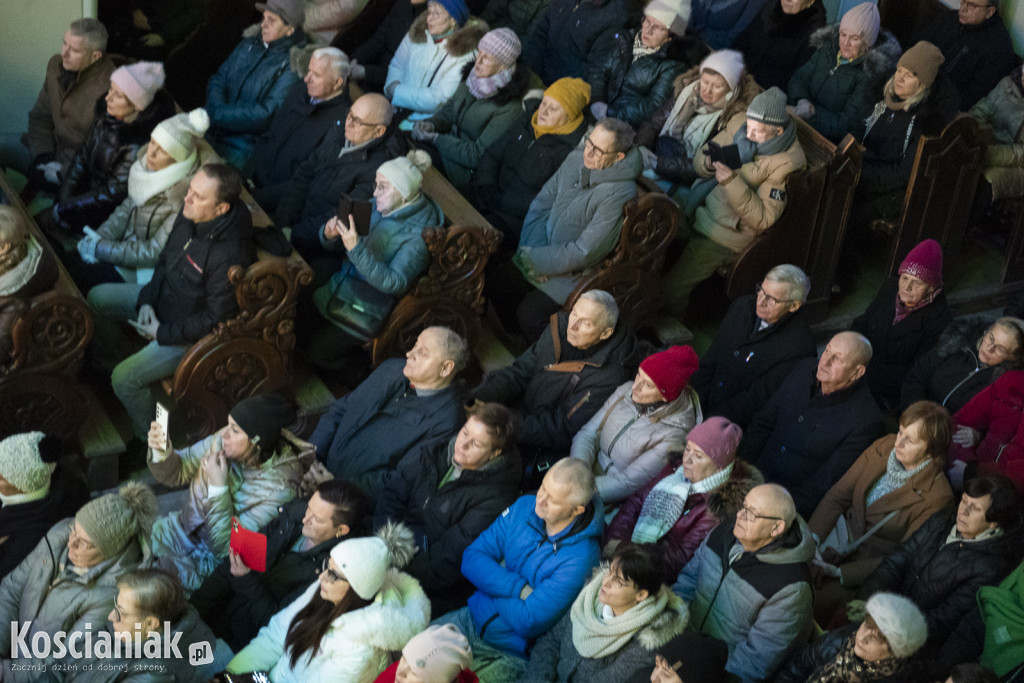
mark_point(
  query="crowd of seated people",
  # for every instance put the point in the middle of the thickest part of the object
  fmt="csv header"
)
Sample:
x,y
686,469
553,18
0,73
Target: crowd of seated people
x,y
598,509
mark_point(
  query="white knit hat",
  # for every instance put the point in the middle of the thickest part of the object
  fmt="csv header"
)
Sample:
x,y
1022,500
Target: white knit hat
x,y
900,621
177,135
364,562
438,654
27,462
406,173
674,14
139,82
727,63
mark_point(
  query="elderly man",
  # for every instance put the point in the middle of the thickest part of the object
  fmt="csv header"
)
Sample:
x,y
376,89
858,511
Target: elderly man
x,y
528,567
564,378
345,163
749,583
761,338
740,204
310,112
817,423
976,45
364,433
575,220
187,296
252,83
64,110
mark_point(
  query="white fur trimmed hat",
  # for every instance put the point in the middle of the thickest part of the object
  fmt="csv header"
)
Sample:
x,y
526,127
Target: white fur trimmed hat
x,y
364,562
27,460
900,621
139,82
406,173
177,135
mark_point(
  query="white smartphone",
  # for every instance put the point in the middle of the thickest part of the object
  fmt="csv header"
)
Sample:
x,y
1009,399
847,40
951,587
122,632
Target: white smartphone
x,y
163,417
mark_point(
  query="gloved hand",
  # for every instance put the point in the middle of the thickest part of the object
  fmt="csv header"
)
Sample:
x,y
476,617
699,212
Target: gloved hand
x,y
650,159
87,247
51,171
599,110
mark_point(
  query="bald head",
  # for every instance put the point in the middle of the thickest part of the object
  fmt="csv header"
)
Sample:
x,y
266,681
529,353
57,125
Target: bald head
x,y
843,362
767,513
778,500
368,118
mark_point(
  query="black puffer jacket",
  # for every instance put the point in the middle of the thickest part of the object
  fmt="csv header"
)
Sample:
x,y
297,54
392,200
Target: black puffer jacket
x,y
97,178
943,578
776,44
951,373
190,290
633,90
809,659
896,346
446,519
376,52
566,38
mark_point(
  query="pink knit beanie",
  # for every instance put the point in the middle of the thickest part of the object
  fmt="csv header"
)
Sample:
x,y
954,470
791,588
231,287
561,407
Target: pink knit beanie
x,y
717,437
502,44
438,654
139,82
925,263
862,19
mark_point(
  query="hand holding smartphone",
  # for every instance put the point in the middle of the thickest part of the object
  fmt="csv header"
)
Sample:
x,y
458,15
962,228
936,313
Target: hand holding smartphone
x,y
163,417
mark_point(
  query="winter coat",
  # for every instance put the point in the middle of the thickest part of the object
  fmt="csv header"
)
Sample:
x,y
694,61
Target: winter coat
x,y
387,260
190,290
467,125
446,518
377,50
951,373
297,130
96,180
575,221
1003,110
45,591
237,607
926,493
356,647
752,199
364,434
632,89
428,73
759,604
248,88
702,513
519,15
62,116
514,168
943,578
744,366
998,413
556,657
896,346
976,56
841,94
806,440
719,22
324,18
516,552
776,44
558,388
808,661
564,40
626,447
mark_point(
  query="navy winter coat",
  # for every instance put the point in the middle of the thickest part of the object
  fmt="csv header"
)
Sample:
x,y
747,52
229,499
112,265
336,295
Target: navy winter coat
x,y
564,40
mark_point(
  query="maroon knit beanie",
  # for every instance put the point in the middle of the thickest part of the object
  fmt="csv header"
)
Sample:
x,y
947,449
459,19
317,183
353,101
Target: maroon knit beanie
x,y
671,370
925,263
717,437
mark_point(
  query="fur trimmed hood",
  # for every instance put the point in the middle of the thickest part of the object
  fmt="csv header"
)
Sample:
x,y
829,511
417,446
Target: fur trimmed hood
x,y
725,501
299,53
748,90
400,611
463,41
515,90
962,334
880,59
670,623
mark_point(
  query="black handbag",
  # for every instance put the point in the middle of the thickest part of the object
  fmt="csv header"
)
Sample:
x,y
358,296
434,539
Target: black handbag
x,y
355,304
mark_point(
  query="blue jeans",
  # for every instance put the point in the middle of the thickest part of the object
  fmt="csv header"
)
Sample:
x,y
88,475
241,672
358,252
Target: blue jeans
x,y
131,370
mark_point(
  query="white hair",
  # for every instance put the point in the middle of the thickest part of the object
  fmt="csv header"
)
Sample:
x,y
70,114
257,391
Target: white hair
x,y
337,60
606,301
796,280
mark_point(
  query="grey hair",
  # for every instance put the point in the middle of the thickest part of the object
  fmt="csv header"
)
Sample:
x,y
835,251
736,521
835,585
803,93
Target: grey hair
x,y
795,279
578,476
1015,326
453,346
337,60
622,132
607,303
93,30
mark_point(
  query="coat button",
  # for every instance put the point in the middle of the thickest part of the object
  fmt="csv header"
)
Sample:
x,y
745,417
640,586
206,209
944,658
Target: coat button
x,y
800,419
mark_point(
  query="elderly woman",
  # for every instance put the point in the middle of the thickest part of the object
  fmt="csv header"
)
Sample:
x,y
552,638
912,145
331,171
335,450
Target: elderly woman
x,y
904,321
629,440
970,355
990,432
514,168
483,107
97,178
633,78
68,582
777,43
879,649
683,502
427,67
27,268
892,488
380,267
1003,110
831,91
707,98
615,625
245,471
126,246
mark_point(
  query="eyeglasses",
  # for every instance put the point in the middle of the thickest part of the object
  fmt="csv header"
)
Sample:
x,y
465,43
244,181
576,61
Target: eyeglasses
x,y
75,539
359,122
118,614
588,143
990,340
771,300
973,5
748,512
332,576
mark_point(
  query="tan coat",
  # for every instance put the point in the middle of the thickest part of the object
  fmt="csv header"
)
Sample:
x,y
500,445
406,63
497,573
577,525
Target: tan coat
x,y
749,202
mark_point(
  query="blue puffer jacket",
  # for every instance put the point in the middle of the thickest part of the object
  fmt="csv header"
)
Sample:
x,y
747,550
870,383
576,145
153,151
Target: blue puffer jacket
x,y
556,567
248,88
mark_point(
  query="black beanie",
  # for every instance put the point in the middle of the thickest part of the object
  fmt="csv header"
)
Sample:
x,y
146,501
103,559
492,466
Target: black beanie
x,y
703,659
262,418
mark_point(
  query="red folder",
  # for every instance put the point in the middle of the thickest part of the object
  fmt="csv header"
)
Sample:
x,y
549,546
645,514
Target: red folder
x,y
251,545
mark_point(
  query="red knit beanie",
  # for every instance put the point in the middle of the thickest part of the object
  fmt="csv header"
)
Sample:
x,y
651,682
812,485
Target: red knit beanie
x,y
671,370
925,263
717,437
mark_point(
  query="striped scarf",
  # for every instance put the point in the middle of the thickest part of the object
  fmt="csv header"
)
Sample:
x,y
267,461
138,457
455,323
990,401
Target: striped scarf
x,y
664,505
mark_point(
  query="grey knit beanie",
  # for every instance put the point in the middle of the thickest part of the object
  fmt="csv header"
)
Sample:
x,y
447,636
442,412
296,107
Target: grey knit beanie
x,y
113,520
769,107
27,460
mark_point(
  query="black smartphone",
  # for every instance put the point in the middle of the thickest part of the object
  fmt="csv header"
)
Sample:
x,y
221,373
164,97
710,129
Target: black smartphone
x,y
726,154
359,209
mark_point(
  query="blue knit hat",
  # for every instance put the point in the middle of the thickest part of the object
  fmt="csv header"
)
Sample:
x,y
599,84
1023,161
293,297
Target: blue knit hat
x,y
457,9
